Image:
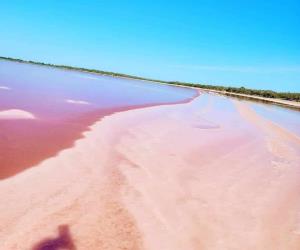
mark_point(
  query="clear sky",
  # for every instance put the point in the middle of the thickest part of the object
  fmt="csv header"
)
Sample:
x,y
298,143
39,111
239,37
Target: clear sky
x,y
238,43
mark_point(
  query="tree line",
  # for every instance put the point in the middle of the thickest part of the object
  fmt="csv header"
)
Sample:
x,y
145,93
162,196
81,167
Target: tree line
x,y
291,96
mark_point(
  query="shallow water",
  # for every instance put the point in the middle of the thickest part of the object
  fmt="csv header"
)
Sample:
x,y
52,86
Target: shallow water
x,y
64,103
285,117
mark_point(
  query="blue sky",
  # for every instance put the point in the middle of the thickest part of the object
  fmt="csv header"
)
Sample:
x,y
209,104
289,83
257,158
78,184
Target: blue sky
x,y
238,43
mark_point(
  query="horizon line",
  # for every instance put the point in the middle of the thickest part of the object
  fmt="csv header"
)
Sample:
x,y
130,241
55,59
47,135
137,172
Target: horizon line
x,y
118,74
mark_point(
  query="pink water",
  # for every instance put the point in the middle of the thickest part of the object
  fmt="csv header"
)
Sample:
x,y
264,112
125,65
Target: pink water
x,y
64,103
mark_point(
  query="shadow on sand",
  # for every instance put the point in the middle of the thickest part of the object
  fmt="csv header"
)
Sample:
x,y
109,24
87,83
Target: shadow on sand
x,y
62,242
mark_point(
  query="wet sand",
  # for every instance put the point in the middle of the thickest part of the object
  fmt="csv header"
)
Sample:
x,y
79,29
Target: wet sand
x,y
208,174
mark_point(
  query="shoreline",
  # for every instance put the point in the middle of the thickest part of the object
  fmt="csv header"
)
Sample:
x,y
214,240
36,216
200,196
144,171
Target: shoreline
x,y
281,102
13,164
79,182
56,112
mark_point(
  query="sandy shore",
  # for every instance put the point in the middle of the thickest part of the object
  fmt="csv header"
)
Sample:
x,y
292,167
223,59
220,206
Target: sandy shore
x,y
282,102
208,174
286,103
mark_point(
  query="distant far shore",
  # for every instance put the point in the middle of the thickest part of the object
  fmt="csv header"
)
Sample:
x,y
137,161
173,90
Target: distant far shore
x,y
290,99
283,102
277,101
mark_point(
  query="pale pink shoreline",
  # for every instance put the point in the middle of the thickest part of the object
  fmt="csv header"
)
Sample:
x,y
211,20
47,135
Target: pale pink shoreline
x,y
170,177
287,103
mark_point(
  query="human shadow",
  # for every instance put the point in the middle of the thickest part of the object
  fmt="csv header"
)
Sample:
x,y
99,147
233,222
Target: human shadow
x,y
63,241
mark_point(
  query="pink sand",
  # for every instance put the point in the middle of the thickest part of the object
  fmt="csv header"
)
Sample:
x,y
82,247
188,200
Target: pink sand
x,y
176,177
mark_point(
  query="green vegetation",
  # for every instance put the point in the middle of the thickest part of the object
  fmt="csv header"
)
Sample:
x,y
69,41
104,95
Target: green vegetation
x,y
290,96
253,92
96,71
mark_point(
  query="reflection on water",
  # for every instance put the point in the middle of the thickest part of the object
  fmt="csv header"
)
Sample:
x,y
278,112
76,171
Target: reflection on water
x,y
64,103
